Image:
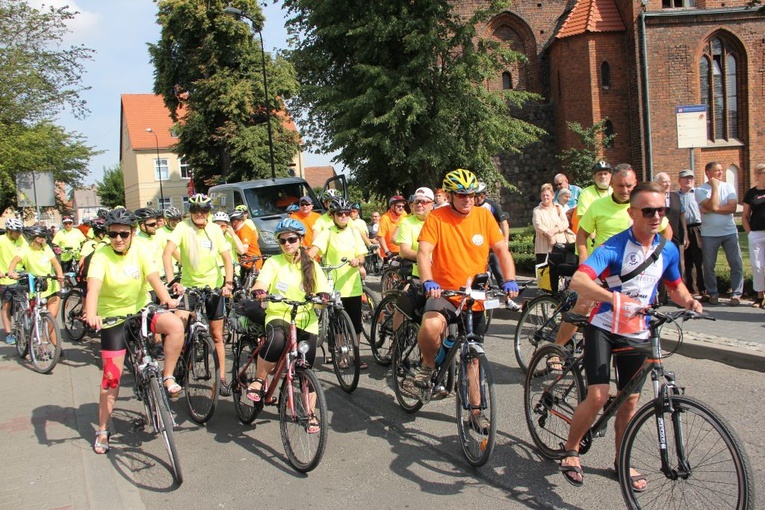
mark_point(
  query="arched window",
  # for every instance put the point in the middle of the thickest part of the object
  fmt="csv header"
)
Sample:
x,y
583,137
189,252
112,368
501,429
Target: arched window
x,y
507,80
605,75
718,77
608,133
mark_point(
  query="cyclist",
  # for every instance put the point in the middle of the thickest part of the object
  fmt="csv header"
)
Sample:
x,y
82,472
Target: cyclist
x,y
501,218
341,241
172,217
307,216
249,241
247,220
98,229
388,223
116,280
453,246
147,236
619,256
71,238
38,259
292,274
11,244
325,220
200,242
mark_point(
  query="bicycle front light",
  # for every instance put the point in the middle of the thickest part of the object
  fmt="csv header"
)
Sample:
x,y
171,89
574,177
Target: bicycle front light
x,y
303,347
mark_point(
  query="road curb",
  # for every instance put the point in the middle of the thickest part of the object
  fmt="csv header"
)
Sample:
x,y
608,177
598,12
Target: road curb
x,y
716,349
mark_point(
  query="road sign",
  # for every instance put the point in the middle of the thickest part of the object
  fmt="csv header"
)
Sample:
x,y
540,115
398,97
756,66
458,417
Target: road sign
x,y
35,189
691,126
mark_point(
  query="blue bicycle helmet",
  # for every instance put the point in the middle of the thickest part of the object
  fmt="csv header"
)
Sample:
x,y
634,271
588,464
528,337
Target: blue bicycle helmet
x,y
289,225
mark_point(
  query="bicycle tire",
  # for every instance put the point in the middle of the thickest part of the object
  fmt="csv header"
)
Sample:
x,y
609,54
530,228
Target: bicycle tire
x,y
477,441
389,280
72,315
43,352
246,409
21,327
165,424
323,327
367,313
719,475
382,331
345,351
303,450
532,330
550,398
201,382
406,361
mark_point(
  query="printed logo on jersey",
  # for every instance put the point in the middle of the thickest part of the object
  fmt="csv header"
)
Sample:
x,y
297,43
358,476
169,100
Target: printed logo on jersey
x,y
477,240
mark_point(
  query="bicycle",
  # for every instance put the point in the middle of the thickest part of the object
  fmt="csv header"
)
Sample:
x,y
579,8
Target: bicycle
x,y
297,409
336,328
73,307
35,328
197,370
368,304
382,336
474,386
687,453
389,278
148,381
372,262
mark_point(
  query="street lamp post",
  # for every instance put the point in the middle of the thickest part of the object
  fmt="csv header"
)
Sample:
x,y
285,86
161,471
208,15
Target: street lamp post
x,y
241,14
159,168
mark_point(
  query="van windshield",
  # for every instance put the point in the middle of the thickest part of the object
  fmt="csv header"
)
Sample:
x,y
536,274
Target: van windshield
x,y
269,200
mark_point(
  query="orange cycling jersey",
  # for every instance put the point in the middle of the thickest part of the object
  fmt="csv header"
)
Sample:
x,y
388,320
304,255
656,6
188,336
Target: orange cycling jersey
x,y
250,238
388,224
307,220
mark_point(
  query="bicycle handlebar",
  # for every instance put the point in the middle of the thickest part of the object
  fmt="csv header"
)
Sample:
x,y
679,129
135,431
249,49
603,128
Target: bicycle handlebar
x,y
309,299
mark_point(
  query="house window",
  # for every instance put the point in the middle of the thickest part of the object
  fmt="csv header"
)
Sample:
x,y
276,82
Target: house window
x,y
160,169
185,201
605,75
164,203
185,169
673,4
608,133
718,77
507,81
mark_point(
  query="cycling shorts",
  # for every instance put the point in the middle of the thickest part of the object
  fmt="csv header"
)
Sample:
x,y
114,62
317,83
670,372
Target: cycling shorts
x,y
599,345
449,311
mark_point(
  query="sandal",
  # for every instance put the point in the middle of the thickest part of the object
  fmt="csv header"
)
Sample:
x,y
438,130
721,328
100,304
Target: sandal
x,y
567,470
175,389
256,395
554,363
104,447
758,303
224,390
313,426
636,479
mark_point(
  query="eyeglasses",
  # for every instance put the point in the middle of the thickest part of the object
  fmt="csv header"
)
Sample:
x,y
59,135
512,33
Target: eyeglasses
x,y
342,213
649,212
290,240
303,204
422,202
151,224
197,210
123,234
398,205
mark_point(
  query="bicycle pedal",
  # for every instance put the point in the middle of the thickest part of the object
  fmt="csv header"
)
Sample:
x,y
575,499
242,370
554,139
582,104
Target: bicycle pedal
x,y
137,425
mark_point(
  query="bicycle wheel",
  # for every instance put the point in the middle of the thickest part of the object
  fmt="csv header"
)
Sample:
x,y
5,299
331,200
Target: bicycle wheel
x,y
307,407
406,361
345,350
201,384
476,409
323,327
550,397
243,373
44,344
389,280
367,313
165,425
382,330
713,474
72,318
536,327
21,328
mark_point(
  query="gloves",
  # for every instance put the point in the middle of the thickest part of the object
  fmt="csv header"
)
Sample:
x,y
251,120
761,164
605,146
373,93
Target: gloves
x,y
325,296
510,286
430,285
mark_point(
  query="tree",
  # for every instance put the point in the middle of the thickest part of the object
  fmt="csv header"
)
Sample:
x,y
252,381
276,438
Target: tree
x,y
111,190
578,162
209,72
398,88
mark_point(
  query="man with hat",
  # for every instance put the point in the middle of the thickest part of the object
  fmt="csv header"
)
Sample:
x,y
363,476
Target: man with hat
x,y
307,216
692,255
388,223
69,239
601,174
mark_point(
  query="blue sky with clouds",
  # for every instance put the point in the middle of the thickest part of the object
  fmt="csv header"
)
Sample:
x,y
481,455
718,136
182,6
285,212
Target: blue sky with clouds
x,y
119,30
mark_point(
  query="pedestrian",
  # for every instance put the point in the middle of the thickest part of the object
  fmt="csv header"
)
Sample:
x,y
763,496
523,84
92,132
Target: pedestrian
x,y
717,201
675,213
692,257
550,223
440,198
753,220
560,181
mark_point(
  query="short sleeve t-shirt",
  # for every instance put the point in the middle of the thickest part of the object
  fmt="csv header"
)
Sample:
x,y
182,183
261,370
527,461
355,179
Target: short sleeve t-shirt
x,y
152,247
334,245
38,262
322,222
285,278
605,217
250,238
123,290
208,243
756,200
461,244
308,221
8,250
713,224
68,239
619,255
408,232
589,195
387,225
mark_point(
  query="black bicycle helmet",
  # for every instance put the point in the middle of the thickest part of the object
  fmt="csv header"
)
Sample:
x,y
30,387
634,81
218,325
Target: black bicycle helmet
x,y
120,217
102,213
144,213
339,204
600,166
35,231
99,226
236,214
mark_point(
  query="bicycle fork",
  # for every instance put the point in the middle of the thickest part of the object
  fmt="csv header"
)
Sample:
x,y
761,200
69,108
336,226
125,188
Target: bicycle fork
x,y
469,355
663,403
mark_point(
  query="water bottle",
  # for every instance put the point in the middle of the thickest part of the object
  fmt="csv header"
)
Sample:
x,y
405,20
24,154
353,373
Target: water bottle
x,y
446,345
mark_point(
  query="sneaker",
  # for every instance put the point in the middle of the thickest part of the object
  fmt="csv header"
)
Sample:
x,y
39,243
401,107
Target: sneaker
x,y
735,301
512,305
479,423
704,298
714,300
423,376
10,339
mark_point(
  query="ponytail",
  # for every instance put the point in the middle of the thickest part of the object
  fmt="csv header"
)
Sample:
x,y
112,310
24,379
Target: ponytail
x,y
307,268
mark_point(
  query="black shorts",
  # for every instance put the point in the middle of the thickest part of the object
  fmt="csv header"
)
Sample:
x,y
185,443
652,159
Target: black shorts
x,y
412,301
352,306
215,306
113,338
449,311
7,292
277,339
598,348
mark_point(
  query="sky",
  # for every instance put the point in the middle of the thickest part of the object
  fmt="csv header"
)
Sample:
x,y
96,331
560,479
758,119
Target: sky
x,y
119,30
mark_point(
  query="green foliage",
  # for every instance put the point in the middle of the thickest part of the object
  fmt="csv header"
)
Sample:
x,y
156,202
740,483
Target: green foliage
x,y
522,249
111,190
398,89
578,162
209,72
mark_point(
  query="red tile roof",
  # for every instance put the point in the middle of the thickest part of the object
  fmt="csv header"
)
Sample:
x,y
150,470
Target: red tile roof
x,y
318,175
592,16
143,111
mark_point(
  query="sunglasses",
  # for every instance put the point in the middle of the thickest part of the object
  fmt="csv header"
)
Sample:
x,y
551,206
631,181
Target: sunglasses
x,y
290,240
649,212
195,210
422,202
303,204
123,234
343,213
151,224
399,205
